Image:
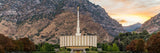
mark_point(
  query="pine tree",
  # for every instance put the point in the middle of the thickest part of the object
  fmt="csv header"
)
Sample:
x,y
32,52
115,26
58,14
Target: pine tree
x,y
115,47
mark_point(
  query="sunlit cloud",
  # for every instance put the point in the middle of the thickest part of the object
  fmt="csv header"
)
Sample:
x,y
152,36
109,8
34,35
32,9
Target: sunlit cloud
x,y
126,20
132,11
123,21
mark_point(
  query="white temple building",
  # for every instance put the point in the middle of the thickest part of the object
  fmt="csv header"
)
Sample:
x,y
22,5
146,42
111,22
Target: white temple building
x,y
78,41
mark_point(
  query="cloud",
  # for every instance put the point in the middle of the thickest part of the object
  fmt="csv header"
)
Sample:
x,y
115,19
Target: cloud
x,y
123,21
143,9
126,20
129,6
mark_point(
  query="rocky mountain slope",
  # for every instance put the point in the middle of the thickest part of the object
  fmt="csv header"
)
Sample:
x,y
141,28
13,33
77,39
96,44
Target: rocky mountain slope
x,y
152,25
46,20
132,27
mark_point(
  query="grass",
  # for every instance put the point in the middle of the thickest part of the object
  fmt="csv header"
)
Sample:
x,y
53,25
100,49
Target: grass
x,y
44,52
91,52
75,52
63,52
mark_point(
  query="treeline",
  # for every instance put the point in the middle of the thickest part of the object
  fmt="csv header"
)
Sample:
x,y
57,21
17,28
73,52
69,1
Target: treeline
x,y
138,42
22,44
108,47
152,45
47,47
125,38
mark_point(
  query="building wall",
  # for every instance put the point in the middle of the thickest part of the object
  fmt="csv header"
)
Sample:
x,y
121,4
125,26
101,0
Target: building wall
x,y
66,41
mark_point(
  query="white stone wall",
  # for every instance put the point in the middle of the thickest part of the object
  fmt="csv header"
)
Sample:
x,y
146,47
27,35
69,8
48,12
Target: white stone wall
x,y
78,41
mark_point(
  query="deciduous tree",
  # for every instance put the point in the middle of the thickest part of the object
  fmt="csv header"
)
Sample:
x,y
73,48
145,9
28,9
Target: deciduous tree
x,y
140,45
136,45
132,46
1,49
27,44
153,44
23,44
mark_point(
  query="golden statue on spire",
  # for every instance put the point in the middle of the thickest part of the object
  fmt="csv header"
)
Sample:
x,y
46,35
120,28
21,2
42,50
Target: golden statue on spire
x,y
78,8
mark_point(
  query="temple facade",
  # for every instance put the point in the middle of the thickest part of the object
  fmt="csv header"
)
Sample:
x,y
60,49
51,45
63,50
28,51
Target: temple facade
x,y
78,41
81,42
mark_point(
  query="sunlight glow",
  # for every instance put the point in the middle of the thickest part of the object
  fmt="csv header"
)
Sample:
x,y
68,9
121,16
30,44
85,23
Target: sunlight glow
x,y
127,20
128,12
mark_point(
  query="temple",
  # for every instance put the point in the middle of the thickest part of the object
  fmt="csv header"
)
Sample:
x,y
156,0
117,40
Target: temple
x,y
78,41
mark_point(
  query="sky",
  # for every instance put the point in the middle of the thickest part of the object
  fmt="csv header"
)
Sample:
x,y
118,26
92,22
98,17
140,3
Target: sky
x,y
129,12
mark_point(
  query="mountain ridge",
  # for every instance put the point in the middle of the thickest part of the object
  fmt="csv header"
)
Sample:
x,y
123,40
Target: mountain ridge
x,y
132,27
27,18
152,25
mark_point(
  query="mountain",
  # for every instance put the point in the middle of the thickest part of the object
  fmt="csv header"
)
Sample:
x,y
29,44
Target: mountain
x,y
132,27
46,20
152,25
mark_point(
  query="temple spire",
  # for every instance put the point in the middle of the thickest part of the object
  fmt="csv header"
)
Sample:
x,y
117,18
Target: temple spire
x,y
78,27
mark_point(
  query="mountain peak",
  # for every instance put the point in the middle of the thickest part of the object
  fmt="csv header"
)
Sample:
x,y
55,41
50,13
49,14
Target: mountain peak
x,y
132,27
36,19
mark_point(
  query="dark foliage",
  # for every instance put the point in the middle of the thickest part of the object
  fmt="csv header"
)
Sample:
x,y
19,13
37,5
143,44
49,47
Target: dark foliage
x,y
23,44
124,39
153,44
46,47
137,45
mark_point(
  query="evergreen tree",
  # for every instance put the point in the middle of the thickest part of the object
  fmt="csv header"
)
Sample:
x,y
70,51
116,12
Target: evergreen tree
x,y
115,47
47,47
145,32
104,47
94,48
109,48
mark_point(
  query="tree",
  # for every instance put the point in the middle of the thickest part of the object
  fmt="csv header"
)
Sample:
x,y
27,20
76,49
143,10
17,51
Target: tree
x,y
145,32
68,49
140,45
109,48
56,46
104,47
115,47
47,47
131,46
125,39
153,44
38,47
63,49
27,44
99,45
6,43
136,46
94,48
23,44
10,46
19,46
1,49
4,40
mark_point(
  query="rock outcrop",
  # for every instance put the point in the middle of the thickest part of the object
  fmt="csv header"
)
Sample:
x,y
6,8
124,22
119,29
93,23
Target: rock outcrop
x,y
40,20
152,25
